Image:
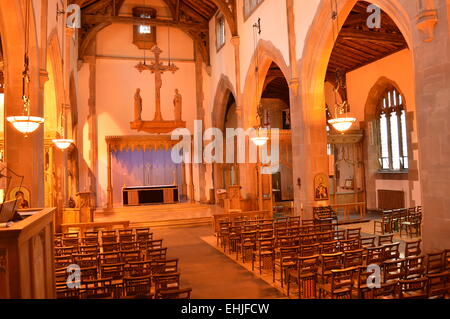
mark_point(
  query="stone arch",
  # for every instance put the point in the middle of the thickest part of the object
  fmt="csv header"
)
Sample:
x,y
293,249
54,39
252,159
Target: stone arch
x,y
264,55
55,67
223,91
311,139
377,90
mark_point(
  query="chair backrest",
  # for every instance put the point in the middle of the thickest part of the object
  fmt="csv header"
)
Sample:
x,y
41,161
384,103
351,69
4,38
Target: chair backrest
x,y
339,234
343,280
415,267
137,268
97,289
439,285
137,286
127,256
308,266
166,281
354,258
332,261
88,249
109,258
350,244
385,239
413,248
86,260
391,251
330,247
435,262
367,242
394,270
111,247
413,289
115,271
354,233
375,255
309,250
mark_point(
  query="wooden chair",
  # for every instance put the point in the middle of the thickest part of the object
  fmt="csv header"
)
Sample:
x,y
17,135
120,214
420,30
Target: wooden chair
x,y
167,266
88,249
328,263
266,256
137,269
308,222
156,254
353,233
127,256
366,242
108,233
99,289
71,242
247,245
114,271
412,225
64,292
110,239
339,234
384,225
109,258
439,285
447,259
374,255
330,247
413,289
184,293
86,260
386,291
129,245
166,283
88,273
341,284
111,247
353,258
394,270
137,287
350,244
155,243
415,267
305,276
287,261
385,240
126,235
309,250
435,262
63,261
70,235
65,251
391,251
90,238
362,290
412,248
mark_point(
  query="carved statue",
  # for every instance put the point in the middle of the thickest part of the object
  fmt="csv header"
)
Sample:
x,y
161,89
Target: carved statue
x,y
177,102
137,106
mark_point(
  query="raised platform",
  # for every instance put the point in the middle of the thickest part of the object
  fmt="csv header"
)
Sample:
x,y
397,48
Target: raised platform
x,y
161,215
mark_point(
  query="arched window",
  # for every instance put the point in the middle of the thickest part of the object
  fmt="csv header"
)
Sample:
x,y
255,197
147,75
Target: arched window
x,y
392,132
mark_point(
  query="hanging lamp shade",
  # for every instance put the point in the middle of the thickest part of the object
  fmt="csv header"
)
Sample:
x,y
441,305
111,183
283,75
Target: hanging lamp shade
x,y
342,124
260,139
63,143
25,124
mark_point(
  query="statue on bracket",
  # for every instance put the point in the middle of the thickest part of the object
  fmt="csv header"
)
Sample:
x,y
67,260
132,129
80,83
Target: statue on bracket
x,y
158,124
137,106
177,103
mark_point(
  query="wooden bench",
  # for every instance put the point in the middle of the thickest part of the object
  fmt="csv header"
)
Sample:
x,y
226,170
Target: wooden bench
x,y
82,227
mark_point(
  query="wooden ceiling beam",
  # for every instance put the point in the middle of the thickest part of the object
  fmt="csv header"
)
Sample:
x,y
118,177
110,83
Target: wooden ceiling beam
x,y
371,36
97,19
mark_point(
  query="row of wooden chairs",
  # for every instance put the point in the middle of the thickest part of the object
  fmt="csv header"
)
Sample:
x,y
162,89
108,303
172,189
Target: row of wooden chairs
x,y
331,276
133,266
400,220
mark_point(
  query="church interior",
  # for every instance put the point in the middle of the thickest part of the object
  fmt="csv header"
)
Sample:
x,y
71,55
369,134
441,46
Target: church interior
x,y
224,149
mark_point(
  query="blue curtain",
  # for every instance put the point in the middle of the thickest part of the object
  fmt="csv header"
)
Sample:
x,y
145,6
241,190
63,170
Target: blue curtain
x,y
143,168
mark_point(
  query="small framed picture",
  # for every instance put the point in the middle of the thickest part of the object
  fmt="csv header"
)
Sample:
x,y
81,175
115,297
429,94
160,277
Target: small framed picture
x,y
348,184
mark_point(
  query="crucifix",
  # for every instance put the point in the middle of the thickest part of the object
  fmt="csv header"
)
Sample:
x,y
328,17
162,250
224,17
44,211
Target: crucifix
x,y
158,68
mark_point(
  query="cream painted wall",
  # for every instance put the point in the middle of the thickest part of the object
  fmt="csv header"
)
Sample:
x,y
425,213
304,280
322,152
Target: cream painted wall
x,y
116,60
398,68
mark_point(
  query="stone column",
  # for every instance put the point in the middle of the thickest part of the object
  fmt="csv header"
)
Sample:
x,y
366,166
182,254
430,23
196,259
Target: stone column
x,y
432,67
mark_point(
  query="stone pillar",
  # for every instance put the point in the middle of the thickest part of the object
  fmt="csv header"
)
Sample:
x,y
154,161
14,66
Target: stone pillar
x,y
200,115
432,67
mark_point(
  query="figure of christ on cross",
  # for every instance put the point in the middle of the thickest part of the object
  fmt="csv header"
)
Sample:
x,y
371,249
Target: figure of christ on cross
x,y
158,68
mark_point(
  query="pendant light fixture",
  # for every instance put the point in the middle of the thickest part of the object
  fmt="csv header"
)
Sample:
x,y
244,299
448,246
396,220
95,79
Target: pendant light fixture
x,y
341,122
63,143
261,137
25,123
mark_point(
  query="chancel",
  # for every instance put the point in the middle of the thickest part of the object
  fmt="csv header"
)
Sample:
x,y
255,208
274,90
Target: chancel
x,y
224,149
